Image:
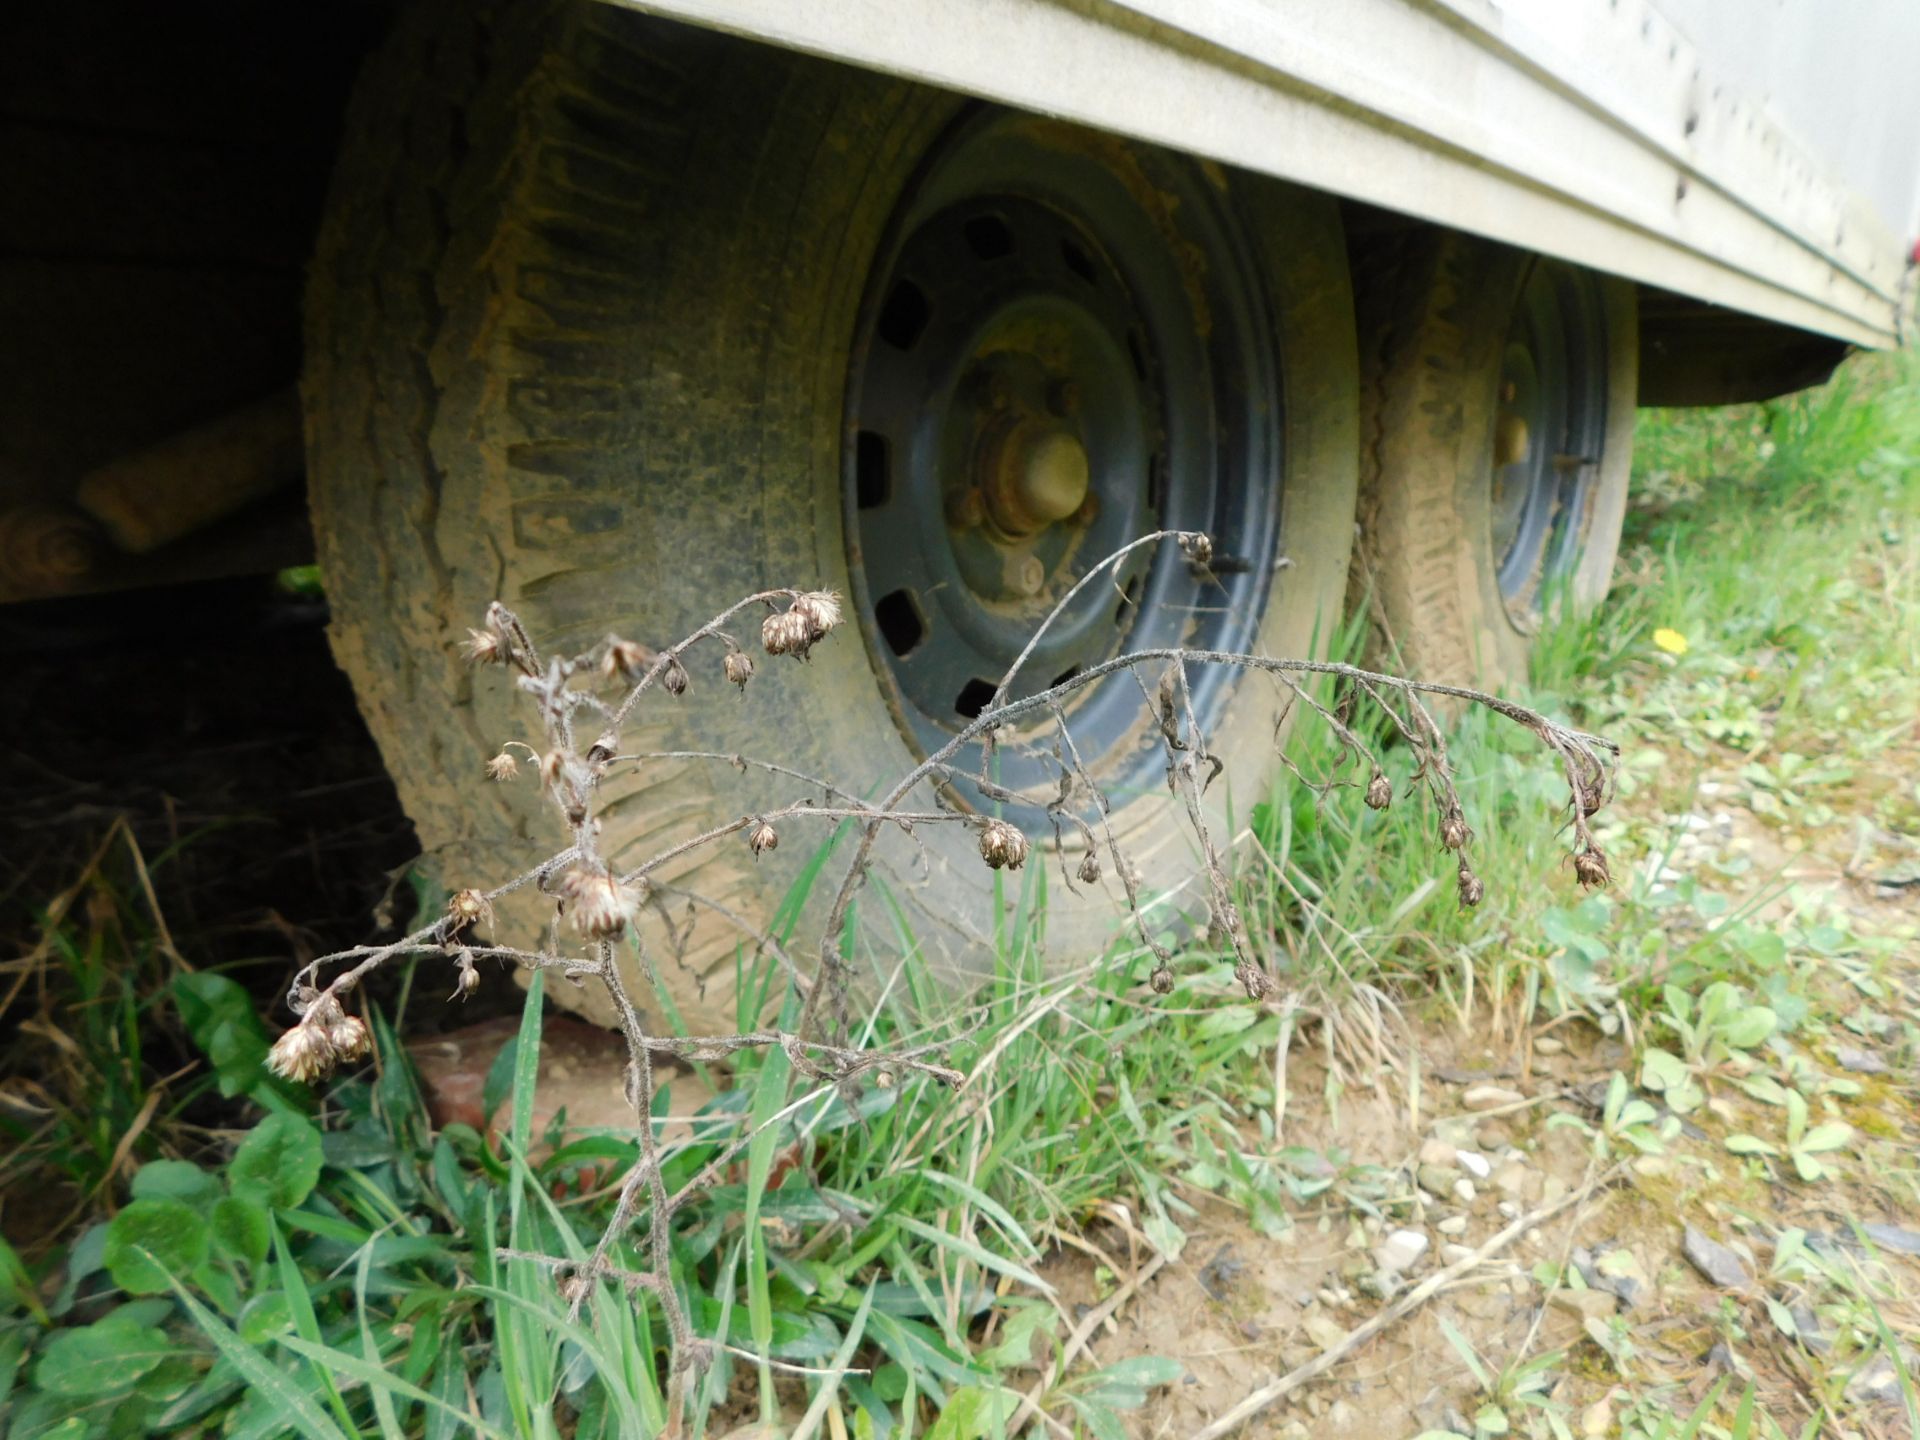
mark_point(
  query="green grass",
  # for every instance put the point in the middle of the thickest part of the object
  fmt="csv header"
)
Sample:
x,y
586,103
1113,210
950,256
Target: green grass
x,y
871,1264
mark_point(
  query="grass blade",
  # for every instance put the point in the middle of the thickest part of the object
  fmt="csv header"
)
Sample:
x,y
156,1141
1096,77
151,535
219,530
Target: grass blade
x,y
294,1404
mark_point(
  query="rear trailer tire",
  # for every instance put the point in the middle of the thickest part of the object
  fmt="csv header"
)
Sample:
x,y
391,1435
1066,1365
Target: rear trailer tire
x,y
1498,394
582,332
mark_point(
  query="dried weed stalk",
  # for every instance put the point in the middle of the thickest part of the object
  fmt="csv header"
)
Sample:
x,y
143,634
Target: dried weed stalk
x,y
593,694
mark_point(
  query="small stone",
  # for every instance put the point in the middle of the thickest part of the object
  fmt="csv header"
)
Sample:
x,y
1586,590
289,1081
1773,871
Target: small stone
x,y
1877,1381
1490,1097
1861,1062
1436,1179
1806,1326
1597,1419
1719,1265
1464,1192
1493,1136
1453,1225
1325,1331
1436,1152
1378,1284
1453,1254
1552,1187
1547,1045
1511,1177
1400,1251
1474,1163
1295,1430
1587,1304
1508,1210
1892,1237
1340,1416
1328,1296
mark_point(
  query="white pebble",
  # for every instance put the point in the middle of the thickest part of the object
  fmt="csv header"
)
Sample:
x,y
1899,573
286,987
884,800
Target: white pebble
x,y
1400,1251
1474,1163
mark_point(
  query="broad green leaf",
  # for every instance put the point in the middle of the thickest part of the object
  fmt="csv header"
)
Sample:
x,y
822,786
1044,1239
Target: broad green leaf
x,y
180,1180
1832,1135
1764,1089
1750,1145
1747,1027
975,1413
102,1359
1808,1168
278,1163
1026,1319
240,1228
1662,1070
150,1238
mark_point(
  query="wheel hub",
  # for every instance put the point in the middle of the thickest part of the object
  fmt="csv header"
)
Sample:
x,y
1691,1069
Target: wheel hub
x,y
1549,422
1032,389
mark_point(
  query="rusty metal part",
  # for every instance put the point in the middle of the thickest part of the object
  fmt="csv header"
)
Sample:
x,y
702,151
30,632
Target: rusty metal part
x,y
154,496
1511,443
1032,473
46,550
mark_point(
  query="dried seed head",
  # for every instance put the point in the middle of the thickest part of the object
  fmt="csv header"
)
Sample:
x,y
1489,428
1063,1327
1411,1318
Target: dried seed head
x,y
1591,797
1590,868
883,1077
303,1054
627,659
675,677
602,906
822,611
503,767
1090,869
1002,846
739,666
1472,890
787,632
1161,980
349,1037
1454,833
1197,548
762,837
469,907
1379,792
552,765
468,979
575,1288
483,647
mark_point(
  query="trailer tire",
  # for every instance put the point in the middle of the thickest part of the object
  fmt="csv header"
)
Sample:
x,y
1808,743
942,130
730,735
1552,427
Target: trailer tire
x,y
1441,315
579,329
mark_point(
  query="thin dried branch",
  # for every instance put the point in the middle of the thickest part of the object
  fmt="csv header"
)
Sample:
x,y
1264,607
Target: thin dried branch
x,y
600,904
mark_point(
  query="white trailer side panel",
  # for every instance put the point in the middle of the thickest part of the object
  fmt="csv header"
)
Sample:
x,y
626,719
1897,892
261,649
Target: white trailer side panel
x,y
1588,129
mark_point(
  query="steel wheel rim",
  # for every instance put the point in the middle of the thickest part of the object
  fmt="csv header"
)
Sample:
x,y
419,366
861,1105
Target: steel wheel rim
x,y
1032,325
1549,428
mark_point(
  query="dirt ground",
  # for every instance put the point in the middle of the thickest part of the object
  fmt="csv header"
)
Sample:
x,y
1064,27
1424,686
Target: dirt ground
x,y
1239,1308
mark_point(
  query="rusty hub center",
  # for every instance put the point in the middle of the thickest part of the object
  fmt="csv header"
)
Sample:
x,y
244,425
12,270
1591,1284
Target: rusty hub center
x,y
1031,473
